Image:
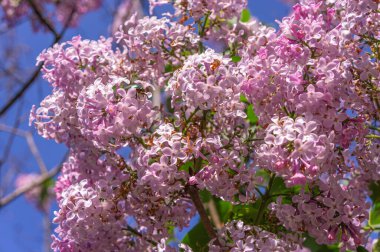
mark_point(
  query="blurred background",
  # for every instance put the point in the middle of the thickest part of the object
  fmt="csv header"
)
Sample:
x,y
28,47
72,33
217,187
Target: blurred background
x,y
23,227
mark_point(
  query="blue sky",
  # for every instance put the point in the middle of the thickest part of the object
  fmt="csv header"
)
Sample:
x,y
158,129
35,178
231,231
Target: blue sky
x,y
20,223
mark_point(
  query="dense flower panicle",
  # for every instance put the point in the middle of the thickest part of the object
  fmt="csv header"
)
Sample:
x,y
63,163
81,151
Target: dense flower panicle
x,y
205,82
294,149
72,65
89,220
196,9
236,236
295,104
110,113
151,44
157,166
339,208
63,11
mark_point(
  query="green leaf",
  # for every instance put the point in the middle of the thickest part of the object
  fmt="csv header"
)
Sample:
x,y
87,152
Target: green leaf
x,y
315,247
243,99
235,58
374,215
375,189
197,238
376,247
45,188
245,212
185,53
251,115
263,173
245,16
168,68
361,249
278,185
205,195
186,166
224,209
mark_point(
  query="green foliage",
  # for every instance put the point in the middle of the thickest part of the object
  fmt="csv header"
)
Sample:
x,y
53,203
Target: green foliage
x,y
245,212
169,68
315,247
361,249
244,99
197,238
186,166
45,188
235,58
374,215
224,209
376,247
251,115
375,189
205,195
245,16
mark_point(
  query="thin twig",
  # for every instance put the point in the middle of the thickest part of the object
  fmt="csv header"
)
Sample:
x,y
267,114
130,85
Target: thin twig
x,y
264,200
137,233
18,192
47,230
30,81
32,145
42,19
193,191
214,214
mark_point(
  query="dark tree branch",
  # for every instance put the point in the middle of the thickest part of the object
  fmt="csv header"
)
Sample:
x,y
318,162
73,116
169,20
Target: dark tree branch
x,y
42,19
18,192
35,74
44,177
137,233
193,191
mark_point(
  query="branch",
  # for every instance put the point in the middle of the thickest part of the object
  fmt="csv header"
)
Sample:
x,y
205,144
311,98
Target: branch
x,y
214,214
42,19
264,200
18,192
193,191
32,145
21,92
29,82
137,233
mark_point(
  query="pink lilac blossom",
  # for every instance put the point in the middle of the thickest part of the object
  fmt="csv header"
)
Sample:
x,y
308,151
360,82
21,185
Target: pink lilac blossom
x,y
196,9
294,103
236,236
151,44
338,208
294,149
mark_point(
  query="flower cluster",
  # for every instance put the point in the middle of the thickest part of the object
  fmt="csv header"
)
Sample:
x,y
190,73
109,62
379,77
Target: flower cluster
x,y
235,236
280,125
337,209
152,43
293,149
197,9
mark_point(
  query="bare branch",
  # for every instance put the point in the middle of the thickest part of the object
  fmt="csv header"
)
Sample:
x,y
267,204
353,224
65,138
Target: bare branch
x,y
137,233
32,145
214,214
35,74
42,19
193,191
18,192
47,230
